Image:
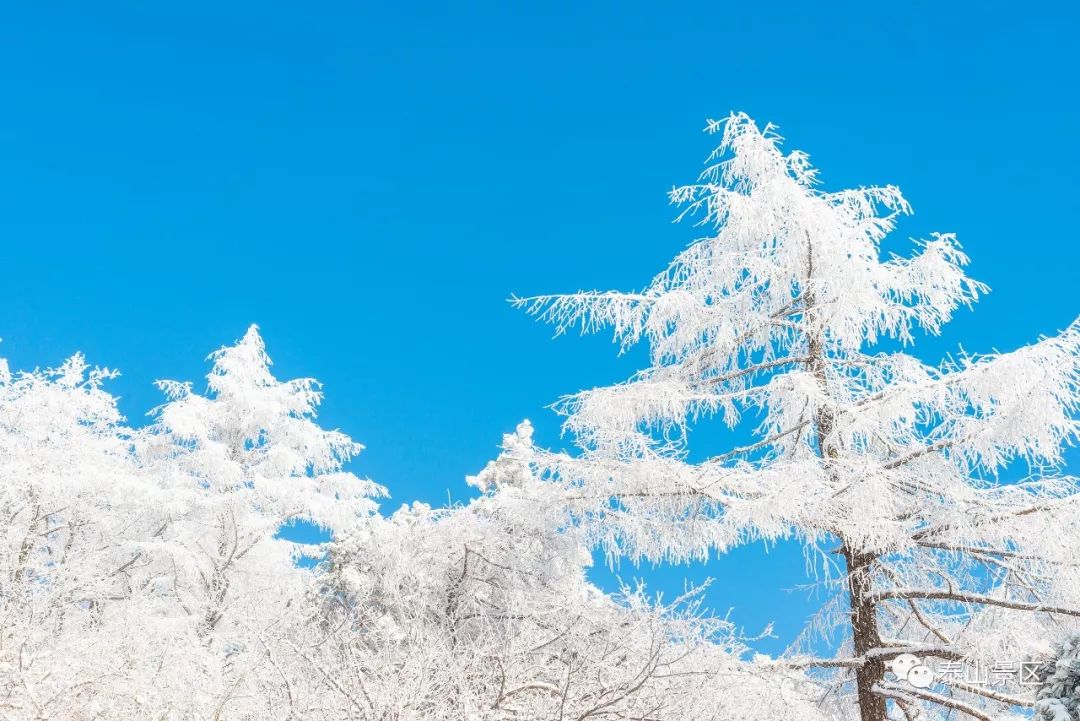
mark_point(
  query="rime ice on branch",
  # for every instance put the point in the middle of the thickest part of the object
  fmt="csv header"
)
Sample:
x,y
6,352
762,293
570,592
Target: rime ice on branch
x,y
874,459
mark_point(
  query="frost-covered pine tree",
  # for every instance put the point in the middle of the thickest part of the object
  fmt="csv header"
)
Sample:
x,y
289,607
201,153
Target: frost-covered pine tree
x,y
240,463
1058,697
141,574
884,467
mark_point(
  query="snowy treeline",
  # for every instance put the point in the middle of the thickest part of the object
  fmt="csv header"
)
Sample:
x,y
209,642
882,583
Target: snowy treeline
x,y
142,574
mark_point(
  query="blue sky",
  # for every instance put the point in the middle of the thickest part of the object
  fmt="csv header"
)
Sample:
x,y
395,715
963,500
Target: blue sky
x,y
370,181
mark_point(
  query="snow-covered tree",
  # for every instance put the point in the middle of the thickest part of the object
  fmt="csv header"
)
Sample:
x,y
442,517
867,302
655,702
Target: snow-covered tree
x,y
884,467
484,611
247,459
79,550
141,571
1058,696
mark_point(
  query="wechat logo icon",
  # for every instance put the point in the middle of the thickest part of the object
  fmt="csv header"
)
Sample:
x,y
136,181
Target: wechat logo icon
x,y
909,667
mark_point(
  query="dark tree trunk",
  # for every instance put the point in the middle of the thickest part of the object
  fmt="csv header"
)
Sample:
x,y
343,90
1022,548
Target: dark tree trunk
x,y
865,636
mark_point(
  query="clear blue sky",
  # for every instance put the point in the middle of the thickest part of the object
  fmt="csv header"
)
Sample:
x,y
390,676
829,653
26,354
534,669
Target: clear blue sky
x,y
370,181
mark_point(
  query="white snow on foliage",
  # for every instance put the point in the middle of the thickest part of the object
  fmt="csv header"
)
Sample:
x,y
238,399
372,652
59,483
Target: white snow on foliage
x,y
143,575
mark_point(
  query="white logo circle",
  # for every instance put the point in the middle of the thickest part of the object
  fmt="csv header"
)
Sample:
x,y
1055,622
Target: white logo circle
x,y
920,676
902,665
